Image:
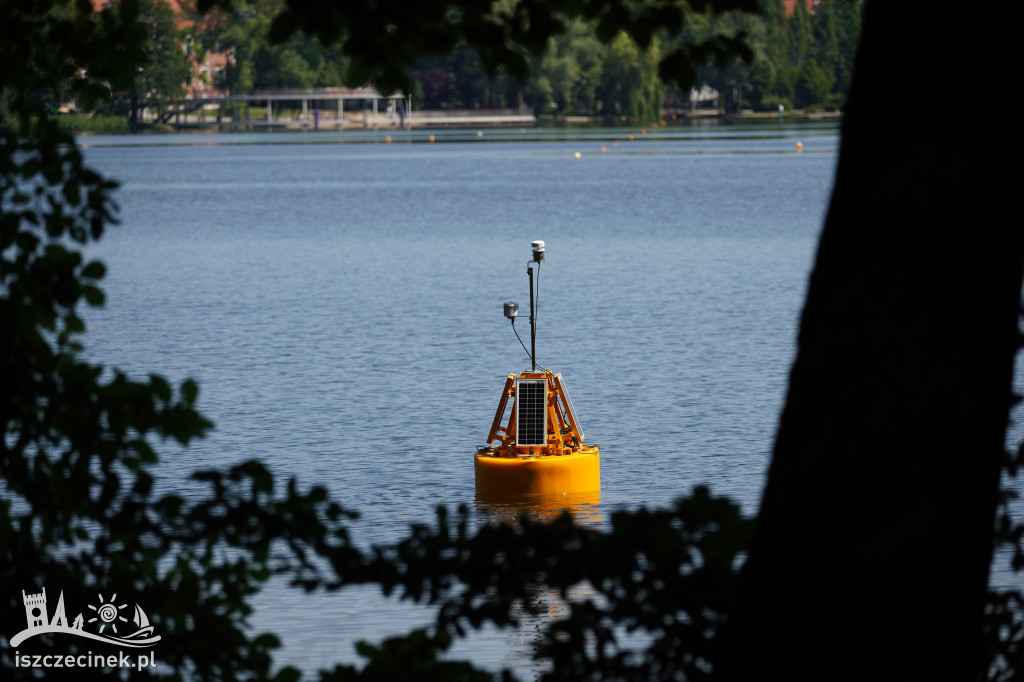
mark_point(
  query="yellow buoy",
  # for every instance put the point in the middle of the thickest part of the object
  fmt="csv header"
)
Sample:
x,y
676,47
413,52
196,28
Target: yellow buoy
x,y
800,145
430,139
577,156
498,476
539,448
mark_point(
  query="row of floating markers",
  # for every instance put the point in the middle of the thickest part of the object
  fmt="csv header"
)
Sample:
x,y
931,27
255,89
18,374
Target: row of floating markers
x,y
604,148
430,138
480,133
387,139
615,143
643,131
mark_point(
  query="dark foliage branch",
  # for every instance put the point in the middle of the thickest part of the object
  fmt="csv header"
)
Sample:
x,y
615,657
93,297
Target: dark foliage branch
x,y
666,574
51,50
78,511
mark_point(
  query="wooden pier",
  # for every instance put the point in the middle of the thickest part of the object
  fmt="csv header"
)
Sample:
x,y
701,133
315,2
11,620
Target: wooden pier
x,y
325,108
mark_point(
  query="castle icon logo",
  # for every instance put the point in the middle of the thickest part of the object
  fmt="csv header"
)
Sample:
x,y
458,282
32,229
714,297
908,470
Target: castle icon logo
x,y
109,620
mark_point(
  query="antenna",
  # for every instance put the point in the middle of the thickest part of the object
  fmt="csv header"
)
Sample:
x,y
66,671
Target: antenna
x,y
538,258
511,308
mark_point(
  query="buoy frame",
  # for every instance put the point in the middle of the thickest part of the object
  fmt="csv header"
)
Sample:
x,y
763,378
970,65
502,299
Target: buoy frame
x,y
563,433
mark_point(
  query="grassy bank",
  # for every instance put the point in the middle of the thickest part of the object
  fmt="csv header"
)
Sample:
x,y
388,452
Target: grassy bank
x,y
93,124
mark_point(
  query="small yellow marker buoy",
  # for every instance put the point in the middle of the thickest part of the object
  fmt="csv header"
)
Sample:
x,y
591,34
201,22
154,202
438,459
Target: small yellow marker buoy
x,y
479,133
577,156
604,149
387,138
799,146
430,139
629,137
643,131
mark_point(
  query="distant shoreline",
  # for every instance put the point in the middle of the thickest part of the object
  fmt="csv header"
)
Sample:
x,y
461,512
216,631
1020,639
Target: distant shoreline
x,y
439,119
700,115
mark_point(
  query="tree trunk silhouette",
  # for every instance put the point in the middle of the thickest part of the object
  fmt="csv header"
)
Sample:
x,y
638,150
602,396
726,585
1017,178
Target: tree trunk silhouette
x,y
871,554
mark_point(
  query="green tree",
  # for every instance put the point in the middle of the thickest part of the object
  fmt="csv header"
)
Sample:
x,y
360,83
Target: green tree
x,y
732,77
474,87
569,73
802,59
631,86
257,62
813,85
168,70
78,511
552,86
569,77
434,83
836,26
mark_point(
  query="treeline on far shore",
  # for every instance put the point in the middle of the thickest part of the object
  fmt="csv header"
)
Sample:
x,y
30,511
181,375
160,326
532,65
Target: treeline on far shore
x,y
802,58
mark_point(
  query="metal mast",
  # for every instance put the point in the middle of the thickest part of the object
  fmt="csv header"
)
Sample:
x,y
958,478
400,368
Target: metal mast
x,y
538,257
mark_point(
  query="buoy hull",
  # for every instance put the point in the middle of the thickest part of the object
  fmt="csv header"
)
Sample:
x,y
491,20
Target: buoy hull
x,y
578,472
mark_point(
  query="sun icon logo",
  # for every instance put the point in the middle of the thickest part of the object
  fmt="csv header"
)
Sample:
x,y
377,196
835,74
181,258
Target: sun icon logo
x,y
107,614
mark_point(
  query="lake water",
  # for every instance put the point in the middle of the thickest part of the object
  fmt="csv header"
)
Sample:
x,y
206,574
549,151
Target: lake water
x,y
339,300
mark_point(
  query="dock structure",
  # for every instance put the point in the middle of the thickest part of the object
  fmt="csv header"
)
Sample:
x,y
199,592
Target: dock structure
x,y
323,108
310,108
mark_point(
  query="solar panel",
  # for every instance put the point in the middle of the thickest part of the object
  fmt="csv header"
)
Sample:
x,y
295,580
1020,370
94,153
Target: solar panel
x,y
560,382
531,412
